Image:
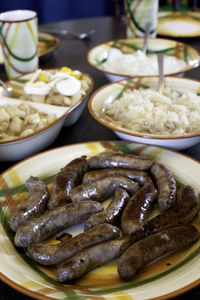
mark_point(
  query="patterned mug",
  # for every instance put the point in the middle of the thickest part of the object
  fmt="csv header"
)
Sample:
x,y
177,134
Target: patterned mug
x,y
140,15
19,37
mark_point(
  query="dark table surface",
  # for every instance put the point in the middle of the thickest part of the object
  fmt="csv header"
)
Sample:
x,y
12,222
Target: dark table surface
x,y
72,53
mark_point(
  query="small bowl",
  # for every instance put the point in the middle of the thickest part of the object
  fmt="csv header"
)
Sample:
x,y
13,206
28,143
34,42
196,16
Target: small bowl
x,y
98,55
74,112
19,148
111,91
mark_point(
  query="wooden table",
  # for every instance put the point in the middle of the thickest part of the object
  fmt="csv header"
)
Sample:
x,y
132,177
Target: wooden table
x,y
72,53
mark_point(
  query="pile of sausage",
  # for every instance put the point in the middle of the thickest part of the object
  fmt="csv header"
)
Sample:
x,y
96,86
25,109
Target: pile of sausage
x,y
122,230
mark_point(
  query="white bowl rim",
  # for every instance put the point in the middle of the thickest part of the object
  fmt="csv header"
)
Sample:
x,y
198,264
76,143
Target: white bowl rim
x,y
188,68
70,110
131,133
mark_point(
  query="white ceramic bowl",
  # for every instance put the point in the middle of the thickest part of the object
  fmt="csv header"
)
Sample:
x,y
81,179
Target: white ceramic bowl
x,y
16,149
99,54
114,90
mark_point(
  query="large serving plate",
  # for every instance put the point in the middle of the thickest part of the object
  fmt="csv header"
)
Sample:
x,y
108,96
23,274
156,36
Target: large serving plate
x,y
179,24
47,44
168,277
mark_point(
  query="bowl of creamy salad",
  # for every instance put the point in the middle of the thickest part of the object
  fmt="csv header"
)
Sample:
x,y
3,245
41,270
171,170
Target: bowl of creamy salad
x,y
59,87
124,58
136,111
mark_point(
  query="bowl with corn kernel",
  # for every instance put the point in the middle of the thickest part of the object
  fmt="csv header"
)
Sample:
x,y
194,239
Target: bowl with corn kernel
x,y
59,87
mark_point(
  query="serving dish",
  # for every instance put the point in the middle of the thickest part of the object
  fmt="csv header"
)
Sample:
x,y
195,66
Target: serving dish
x,y
98,56
179,24
104,96
21,147
165,278
74,110
47,43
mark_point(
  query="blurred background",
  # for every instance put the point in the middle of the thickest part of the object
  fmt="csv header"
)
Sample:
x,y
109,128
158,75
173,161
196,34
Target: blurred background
x,y
57,10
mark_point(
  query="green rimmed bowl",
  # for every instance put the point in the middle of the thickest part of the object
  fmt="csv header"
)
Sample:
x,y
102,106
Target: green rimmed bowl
x,y
114,91
98,55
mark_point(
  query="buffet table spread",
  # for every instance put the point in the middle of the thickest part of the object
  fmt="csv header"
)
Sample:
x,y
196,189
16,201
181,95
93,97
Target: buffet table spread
x,y
72,53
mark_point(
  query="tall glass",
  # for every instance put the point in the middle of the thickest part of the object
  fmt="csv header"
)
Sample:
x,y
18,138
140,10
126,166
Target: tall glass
x,y
141,14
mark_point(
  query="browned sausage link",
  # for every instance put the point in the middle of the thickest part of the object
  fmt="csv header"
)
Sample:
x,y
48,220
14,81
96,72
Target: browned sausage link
x,y
136,212
166,185
103,188
36,205
112,213
53,254
140,176
92,258
181,213
65,180
145,251
55,220
118,160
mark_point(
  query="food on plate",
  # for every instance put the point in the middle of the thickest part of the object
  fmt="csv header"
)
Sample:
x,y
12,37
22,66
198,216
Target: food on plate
x,y
65,180
36,205
62,87
137,210
91,258
55,220
140,176
112,213
182,212
129,201
49,255
148,249
174,112
117,160
139,63
166,185
17,121
102,189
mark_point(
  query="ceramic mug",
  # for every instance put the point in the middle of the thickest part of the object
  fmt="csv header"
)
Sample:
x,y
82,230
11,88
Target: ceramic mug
x,y
19,37
139,15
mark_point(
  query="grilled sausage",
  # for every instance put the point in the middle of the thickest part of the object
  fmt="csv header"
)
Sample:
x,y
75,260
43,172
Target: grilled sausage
x,y
53,254
136,212
112,213
181,213
91,258
118,160
135,175
65,180
36,205
103,188
166,185
55,220
145,251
